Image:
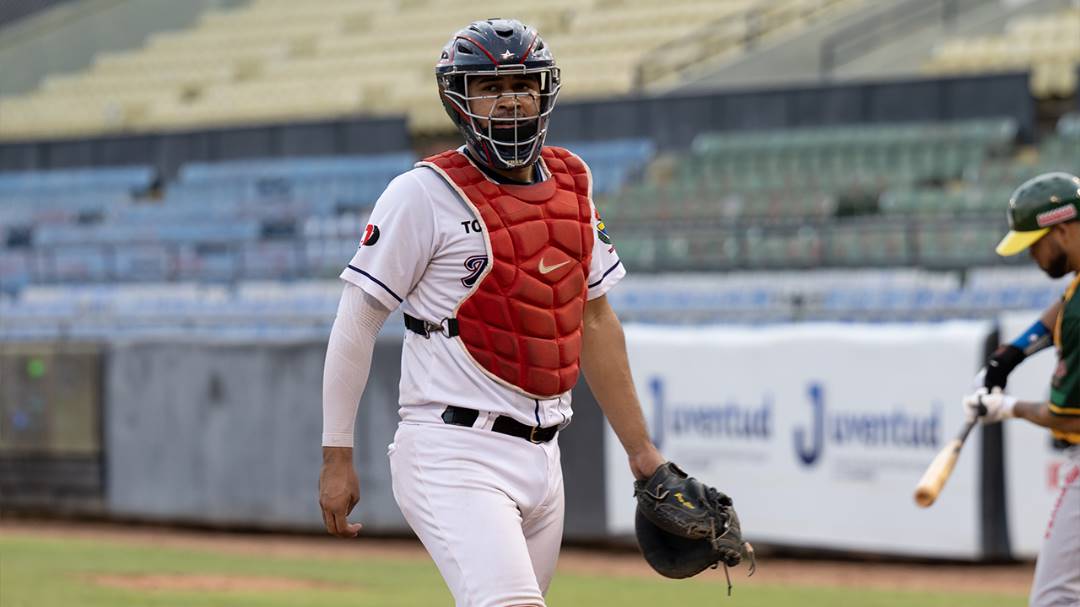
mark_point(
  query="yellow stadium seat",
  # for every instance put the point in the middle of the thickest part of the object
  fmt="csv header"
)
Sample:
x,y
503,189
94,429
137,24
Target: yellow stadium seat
x,y
1049,44
37,116
687,15
297,33
1053,80
371,78
259,102
191,78
170,60
273,60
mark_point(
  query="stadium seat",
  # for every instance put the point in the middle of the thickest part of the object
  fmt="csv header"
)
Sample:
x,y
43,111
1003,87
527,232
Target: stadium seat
x,y
259,61
1048,45
257,102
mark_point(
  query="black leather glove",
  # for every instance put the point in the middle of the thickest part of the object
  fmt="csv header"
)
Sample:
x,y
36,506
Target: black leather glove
x,y
1000,364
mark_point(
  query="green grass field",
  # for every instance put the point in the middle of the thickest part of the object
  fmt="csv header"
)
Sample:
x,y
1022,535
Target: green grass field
x,y
51,572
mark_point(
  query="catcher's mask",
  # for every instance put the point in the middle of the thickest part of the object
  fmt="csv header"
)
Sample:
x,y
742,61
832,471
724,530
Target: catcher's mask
x,y
498,47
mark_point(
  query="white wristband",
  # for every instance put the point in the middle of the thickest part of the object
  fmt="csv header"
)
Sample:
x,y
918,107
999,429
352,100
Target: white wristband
x,y
1008,406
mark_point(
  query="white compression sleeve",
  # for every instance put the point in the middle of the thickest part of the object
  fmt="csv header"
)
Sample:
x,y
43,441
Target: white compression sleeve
x,y
348,361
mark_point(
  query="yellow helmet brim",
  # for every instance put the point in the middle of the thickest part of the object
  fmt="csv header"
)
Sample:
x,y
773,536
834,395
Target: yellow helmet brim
x,y
1017,242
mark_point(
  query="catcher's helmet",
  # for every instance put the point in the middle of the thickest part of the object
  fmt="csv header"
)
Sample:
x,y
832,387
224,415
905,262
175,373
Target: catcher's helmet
x,y
498,47
1046,200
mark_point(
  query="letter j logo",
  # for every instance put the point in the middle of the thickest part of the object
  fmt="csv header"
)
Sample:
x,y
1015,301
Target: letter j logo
x,y
809,453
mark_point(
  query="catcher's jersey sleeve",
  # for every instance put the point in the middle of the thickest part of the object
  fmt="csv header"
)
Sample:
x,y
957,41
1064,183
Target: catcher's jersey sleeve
x,y
398,243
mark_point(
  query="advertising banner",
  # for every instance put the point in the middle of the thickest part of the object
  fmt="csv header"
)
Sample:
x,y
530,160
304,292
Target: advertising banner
x,y
819,432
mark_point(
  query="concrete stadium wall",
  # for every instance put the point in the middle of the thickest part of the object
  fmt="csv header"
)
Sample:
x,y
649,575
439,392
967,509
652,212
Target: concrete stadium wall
x,y
229,434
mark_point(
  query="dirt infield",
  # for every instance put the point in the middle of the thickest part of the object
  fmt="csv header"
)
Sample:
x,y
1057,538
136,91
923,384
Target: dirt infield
x,y
1008,579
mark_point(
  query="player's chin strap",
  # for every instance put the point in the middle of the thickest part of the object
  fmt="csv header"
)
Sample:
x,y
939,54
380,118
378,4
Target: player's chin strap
x,y
447,327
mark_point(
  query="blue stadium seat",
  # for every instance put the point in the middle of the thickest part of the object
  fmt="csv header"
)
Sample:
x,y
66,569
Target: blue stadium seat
x,y
325,185
271,260
297,168
214,266
78,264
127,234
76,180
14,271
148,263
613,162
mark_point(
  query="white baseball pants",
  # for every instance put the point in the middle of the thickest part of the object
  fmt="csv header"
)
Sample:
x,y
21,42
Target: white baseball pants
x,y
488,507
1057,572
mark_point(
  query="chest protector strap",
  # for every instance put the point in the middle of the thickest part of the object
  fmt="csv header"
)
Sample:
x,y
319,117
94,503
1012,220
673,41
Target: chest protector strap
x,y
521,321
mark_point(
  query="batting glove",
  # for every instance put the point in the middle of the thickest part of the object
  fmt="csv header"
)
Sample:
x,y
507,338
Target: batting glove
x,y
971,406
992,407
1001,364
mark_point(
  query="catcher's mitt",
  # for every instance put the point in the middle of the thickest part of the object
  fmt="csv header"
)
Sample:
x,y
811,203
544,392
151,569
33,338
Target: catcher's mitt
x,y
685,526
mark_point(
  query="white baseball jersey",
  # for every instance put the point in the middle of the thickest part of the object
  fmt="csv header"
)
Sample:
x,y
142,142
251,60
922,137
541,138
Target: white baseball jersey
x,y
422,248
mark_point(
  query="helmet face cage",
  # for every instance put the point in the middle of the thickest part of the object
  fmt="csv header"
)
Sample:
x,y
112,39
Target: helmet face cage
x,y
496,144
498,48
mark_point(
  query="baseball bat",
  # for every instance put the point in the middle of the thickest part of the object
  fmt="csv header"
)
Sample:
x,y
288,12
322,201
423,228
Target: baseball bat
x,y
939,470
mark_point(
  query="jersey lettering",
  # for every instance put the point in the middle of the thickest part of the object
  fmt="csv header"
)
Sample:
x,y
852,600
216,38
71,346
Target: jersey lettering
x,y
475,265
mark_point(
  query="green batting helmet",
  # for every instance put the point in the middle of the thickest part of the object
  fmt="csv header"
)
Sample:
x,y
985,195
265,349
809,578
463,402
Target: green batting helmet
x,y
1041,202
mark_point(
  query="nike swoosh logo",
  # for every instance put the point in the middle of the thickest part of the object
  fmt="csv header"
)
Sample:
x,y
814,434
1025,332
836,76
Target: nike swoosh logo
x,y
544,269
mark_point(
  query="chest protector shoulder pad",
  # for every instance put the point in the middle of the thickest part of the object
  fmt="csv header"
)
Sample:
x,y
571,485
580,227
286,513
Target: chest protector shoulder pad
x,y
521,321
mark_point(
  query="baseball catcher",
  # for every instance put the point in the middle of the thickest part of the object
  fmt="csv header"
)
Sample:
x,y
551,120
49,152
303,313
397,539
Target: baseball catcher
x,y
685,526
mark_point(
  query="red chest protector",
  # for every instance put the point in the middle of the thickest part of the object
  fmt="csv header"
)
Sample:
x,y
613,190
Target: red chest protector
x,y
521,322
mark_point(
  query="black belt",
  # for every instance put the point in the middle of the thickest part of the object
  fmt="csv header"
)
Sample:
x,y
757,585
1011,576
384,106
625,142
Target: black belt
x,y
461,416
448,326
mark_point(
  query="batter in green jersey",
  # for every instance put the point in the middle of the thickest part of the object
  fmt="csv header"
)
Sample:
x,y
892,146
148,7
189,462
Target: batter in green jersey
x,y
1065,385
1043,215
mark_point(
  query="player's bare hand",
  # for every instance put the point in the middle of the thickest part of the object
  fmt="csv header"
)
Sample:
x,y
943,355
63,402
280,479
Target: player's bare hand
x,y
339,491
645,462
